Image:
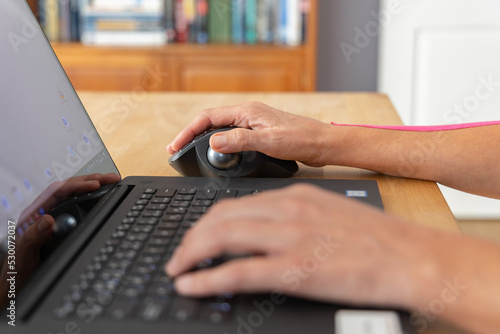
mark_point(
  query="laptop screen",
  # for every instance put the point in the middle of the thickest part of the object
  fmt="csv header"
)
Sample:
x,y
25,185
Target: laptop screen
x,y
45,134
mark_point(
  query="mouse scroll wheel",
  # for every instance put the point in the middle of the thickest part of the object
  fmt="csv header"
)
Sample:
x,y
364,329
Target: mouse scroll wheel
x,y
223,160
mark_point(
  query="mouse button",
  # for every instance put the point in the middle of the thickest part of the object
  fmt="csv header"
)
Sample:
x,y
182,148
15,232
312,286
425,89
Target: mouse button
x,y
277,168
253,158
181,152
176,156
201,135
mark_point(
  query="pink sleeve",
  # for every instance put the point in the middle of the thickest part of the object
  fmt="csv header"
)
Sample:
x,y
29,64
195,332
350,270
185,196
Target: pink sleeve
x,y
426,127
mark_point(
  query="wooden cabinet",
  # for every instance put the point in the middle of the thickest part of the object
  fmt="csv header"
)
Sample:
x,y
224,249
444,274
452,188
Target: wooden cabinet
x,y
195,67
240,69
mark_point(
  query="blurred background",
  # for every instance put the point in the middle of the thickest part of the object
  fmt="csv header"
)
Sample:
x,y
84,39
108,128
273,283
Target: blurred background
x,y
436,59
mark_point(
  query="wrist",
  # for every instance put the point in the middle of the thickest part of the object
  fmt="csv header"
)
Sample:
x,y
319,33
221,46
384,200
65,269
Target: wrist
x,y
325,143
340,146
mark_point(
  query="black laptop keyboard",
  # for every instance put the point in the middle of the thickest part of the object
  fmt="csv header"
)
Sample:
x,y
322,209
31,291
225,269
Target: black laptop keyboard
x,y
126,278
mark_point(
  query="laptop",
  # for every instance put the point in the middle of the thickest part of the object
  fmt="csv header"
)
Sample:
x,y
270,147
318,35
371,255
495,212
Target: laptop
x,y
102,271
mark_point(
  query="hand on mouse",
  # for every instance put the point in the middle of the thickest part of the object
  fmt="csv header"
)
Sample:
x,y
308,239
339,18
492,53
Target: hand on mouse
x,y
260,128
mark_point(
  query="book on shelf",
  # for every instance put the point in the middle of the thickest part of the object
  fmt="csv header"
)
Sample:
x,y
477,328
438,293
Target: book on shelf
x,y
124,22
170,20
238,21
250,21
157,22
201,21
219,21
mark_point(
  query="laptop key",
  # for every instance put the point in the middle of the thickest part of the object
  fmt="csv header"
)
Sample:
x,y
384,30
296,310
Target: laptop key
x,y
137,236
189,191
192,217
156,207
176,210
180,197
123,227
149,191
162,288
206,194
118,235
160,240
172,218
129,220
183,204
137,208
133,291
228,193
147,221
160,200
142,229
169,225
149,259
198,209
155,214
202,202
166,226
158,250
166,193
144,268
163,233
142,202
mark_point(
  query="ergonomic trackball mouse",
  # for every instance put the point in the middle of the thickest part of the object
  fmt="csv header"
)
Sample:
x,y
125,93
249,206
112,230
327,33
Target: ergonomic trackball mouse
x,y
198,159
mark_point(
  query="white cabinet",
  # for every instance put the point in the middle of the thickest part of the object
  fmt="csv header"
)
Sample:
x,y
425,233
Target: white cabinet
x,y
439,62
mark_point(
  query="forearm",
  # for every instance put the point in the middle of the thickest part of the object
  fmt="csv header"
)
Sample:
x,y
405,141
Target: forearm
x,y
465,159
466,290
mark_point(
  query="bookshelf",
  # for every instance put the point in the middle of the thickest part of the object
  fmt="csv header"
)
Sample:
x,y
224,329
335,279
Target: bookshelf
x,y
186,67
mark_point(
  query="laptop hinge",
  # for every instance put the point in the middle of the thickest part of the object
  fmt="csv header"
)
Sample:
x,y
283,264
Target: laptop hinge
x,y
52,269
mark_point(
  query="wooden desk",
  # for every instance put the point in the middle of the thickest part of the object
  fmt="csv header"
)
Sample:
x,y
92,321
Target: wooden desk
x,y
137,127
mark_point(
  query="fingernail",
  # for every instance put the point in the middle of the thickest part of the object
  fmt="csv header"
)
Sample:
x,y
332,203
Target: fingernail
x,y
44,225
218,141
183,284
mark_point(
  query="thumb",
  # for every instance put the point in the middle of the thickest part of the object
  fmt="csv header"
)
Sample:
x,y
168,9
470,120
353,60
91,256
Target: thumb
x,y
238,140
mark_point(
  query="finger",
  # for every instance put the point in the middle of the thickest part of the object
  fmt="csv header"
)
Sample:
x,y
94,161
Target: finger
x,y
37,235
109,178
270,204
222,116
244,236
240,139
249,275
102,178
77,187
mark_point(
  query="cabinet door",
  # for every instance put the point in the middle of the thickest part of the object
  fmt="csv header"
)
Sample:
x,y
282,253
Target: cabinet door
x,y
114,70
227,73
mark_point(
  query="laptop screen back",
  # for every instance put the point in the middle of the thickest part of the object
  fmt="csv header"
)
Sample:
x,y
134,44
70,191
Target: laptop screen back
x,y
45,134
